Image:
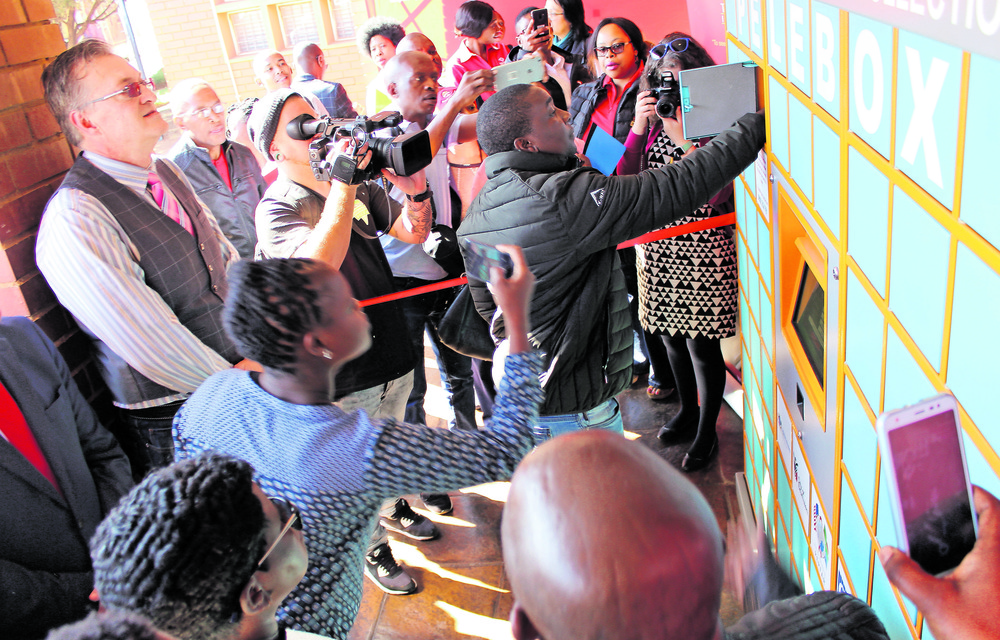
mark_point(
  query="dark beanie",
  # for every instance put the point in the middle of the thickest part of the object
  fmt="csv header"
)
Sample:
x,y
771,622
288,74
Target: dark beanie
x,y
263,121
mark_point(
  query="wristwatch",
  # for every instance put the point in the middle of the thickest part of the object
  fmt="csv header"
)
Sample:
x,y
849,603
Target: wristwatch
x,y
420,197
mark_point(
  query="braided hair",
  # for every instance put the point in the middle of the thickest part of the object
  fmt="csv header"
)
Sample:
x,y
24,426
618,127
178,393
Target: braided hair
x,y
182,545
271,306
107,625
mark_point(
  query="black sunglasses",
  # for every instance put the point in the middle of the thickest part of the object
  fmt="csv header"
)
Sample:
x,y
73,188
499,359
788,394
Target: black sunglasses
x,y
290,515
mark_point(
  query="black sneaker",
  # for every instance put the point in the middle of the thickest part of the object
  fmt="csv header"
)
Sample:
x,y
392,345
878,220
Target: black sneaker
x,y
439,503
410,523
382,569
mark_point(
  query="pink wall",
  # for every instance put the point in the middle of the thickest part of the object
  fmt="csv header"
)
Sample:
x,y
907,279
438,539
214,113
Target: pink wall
x,y
704,20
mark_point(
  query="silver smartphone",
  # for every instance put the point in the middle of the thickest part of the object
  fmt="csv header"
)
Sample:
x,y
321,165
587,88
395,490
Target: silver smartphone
x,y
524,71
923,454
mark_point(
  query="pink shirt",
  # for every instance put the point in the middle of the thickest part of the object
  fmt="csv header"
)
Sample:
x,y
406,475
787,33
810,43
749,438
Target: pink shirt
x,y
464,61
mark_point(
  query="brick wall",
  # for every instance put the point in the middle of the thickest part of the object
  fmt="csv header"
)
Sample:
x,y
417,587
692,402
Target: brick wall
x,y
192,45
34,155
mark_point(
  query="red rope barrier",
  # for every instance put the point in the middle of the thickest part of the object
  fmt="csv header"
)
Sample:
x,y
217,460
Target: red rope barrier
x,y
662,234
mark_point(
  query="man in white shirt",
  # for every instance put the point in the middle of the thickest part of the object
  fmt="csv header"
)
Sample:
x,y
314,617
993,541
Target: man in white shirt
x,y
412,82
130,251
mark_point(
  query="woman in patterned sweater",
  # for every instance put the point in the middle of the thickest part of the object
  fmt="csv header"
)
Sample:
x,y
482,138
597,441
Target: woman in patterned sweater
x,y
297,318
688,283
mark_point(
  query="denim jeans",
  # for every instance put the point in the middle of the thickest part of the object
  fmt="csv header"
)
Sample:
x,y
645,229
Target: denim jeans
x,y
606,415
424,313
381,401
148,441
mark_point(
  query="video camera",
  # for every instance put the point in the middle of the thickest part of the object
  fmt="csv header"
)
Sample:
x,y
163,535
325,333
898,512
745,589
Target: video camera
x,y
405,154
667,92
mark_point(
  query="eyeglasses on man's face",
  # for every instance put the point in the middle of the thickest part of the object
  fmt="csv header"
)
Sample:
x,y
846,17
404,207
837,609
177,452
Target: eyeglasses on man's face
x,y
678,45
616,48
131,90
206,112
290,515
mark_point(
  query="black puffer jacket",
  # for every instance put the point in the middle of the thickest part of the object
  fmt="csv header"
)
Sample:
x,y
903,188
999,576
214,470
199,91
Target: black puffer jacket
x,y
587,96
568,221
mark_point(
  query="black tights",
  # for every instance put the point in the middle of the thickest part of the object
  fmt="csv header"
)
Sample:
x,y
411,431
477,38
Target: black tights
x,y
698,369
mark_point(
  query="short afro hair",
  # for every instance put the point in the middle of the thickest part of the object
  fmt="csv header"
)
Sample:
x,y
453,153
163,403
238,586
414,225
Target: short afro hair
x,y
388,28
182,545
502,119
270,307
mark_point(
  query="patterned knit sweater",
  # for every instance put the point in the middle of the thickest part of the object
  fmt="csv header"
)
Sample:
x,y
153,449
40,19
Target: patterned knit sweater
x,y
338,468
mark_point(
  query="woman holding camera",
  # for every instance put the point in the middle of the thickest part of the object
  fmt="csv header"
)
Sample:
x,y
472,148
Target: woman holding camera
x,y
695,307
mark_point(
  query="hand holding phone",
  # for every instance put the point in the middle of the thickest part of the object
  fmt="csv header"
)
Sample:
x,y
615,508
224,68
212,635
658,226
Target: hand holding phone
x,y
539,18
929,484
963,604
524,71
512,294
479,258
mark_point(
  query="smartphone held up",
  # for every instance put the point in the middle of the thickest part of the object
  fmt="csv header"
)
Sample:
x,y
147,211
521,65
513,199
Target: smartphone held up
x,y
479,258
923,454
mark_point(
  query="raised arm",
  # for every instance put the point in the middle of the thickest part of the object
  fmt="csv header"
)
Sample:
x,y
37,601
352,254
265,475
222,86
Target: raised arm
x,y
446,460
633,205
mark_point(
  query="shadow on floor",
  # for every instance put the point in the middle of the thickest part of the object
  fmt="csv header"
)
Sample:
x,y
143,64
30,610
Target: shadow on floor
x,y
463,591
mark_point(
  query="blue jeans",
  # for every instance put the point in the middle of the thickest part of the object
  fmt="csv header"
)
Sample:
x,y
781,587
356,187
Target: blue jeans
x,y
606,416
423,313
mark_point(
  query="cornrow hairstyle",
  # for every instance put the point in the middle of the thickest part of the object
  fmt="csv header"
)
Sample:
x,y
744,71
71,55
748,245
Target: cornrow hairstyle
x,y
472,18
271,306
388,28
182,545
61,82
107,625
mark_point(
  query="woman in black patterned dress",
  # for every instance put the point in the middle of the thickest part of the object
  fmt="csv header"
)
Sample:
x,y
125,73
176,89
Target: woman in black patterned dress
x,y
688,283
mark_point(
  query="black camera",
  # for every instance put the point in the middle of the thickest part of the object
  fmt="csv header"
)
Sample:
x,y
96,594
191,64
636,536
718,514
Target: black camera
x,y
405,154
667,92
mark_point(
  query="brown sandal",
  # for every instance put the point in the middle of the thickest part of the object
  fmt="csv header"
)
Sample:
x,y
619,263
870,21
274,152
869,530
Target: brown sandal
x,y
656,393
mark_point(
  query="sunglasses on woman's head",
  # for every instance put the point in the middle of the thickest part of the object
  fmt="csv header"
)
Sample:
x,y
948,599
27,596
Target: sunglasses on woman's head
x,y
290,515
677,45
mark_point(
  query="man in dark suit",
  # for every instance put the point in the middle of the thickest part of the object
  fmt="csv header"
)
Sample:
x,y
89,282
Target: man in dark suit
x,y
60,474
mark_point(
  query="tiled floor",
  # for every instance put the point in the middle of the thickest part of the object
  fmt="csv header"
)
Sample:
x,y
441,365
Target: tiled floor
x,y
463,591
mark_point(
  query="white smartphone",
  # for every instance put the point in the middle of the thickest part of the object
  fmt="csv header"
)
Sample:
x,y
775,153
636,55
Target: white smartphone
x,y
524,71
929,484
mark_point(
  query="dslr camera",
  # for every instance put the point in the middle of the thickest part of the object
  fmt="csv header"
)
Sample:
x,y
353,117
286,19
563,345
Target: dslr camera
x,y
405,154
665,88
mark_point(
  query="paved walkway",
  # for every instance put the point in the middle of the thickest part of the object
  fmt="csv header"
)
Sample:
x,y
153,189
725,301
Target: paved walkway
x,y
463,591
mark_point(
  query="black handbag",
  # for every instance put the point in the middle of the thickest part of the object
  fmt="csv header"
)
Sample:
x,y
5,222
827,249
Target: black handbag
x,y
464,330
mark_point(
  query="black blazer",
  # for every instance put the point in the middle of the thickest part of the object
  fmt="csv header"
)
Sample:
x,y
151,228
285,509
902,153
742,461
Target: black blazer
x,y
45,571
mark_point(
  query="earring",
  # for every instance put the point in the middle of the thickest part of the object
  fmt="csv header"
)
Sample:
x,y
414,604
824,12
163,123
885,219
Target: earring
x,y
327,354
277,157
